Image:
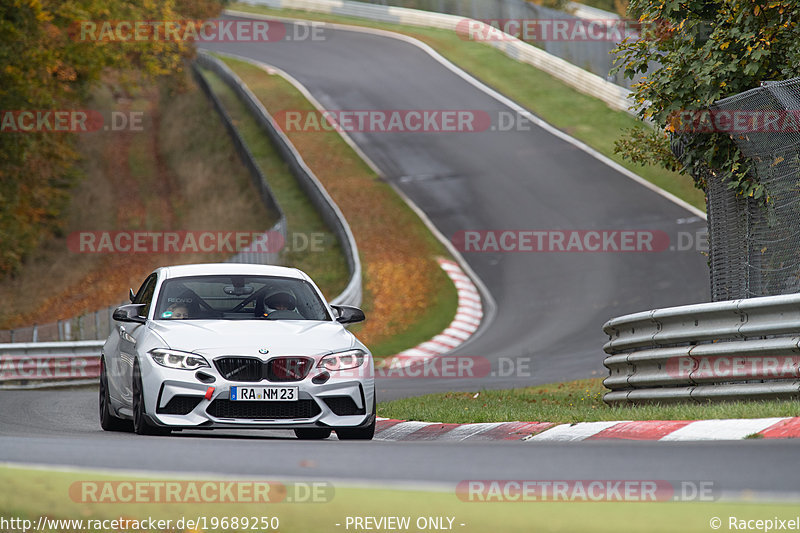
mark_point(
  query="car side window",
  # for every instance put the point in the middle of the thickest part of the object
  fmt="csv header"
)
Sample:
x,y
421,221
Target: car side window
x,y
145,295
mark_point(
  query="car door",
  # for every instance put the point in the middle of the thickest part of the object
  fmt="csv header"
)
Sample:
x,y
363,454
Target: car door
x,y
130,334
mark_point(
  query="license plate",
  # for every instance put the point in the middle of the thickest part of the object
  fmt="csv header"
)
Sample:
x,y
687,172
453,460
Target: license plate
x,y
264,394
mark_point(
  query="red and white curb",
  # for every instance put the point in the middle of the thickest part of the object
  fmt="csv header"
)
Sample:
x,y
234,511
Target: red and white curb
x,y
663,430
400,430
466,322
673,430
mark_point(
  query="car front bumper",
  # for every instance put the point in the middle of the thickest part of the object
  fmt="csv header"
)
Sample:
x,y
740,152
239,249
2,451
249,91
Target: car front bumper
x,y
179,399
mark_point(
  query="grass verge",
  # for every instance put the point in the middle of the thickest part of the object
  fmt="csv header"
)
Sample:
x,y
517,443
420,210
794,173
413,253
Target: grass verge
x,y
31,493
565,403
406,291
584,117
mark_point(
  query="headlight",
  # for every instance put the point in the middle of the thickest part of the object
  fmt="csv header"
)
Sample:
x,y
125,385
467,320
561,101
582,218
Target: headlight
x,y
176,359
342,360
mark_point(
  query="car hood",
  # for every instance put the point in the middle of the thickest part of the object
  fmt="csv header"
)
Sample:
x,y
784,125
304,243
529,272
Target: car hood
x,y
247,337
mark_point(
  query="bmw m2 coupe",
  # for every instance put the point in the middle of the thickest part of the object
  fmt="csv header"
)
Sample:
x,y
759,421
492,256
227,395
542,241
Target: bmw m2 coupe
x,y
236,346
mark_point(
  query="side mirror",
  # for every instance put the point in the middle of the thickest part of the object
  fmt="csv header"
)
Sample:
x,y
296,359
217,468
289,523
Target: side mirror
x,y
128,313
347,314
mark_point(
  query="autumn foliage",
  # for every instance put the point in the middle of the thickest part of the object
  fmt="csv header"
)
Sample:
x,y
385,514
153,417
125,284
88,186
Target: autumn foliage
x,y
44,67
701,52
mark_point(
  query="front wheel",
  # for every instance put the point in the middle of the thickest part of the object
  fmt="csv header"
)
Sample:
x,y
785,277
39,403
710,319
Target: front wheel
x,y
108,421
365,433
140,424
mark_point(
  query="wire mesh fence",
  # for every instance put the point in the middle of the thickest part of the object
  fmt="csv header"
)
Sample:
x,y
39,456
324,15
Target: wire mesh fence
x,y
755,247
88,326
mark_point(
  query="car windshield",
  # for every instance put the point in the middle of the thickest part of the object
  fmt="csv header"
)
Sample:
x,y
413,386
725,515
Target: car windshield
x,y
239,298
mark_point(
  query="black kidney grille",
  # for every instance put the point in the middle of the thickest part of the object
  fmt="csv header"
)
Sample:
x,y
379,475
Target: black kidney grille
x,y
263,410
180,405
344,406
240,368
283,369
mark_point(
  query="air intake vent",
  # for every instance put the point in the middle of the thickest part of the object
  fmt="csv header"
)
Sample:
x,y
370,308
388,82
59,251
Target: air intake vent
x,y
263,410
344,406
180,405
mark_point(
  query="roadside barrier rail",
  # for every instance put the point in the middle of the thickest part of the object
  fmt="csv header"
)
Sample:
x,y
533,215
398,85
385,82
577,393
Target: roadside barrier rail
x,y
737,349
28,365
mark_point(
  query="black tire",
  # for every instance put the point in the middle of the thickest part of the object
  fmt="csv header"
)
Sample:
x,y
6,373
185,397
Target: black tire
x,y
360,433
141,426
108,421
312,433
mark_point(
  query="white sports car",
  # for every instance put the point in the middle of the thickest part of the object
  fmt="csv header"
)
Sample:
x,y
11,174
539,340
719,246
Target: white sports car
x,y
236,346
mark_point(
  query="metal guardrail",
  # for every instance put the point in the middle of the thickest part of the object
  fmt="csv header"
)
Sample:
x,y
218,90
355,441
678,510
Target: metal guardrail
x,y
737,349
327,208
45,364
586,82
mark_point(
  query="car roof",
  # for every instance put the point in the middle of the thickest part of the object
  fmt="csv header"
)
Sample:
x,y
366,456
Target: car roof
x,y
229,269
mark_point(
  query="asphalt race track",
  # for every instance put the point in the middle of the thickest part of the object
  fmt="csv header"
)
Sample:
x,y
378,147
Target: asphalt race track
x,y
550,306
61,428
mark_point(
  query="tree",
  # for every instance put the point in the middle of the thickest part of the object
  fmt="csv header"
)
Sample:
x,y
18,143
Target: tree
x,y
43,66
705,50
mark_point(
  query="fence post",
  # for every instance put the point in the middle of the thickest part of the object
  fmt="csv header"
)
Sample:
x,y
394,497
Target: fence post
x,y
35,336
